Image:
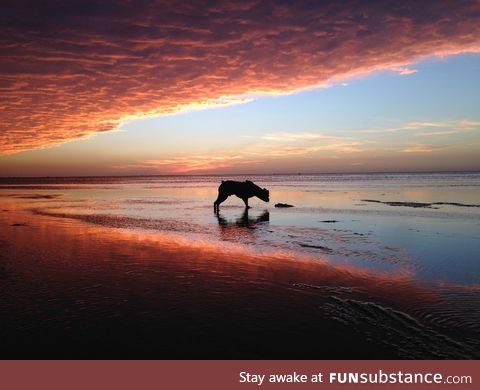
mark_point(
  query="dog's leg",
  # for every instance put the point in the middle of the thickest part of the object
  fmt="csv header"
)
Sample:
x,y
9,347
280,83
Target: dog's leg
x,y
246,202
221,198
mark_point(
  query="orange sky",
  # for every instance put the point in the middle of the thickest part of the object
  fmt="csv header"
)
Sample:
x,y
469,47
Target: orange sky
x,y
70,71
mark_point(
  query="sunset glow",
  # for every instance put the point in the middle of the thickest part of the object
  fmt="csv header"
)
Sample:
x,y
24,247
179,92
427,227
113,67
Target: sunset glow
x,y
70,72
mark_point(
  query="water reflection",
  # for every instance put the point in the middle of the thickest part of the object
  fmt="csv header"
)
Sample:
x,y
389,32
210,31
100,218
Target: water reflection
x,y
243,221
242,227
135,273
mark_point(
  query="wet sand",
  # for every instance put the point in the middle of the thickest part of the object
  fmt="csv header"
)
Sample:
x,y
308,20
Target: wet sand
x,y
78,282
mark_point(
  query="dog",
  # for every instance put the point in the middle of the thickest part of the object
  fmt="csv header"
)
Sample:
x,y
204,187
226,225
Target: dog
x,y
242,189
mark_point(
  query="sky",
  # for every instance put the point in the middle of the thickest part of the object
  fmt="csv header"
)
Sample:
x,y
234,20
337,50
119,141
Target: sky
x,y
162,87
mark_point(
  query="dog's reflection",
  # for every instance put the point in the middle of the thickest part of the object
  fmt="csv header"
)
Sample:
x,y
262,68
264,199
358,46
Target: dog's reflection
x,y
242,226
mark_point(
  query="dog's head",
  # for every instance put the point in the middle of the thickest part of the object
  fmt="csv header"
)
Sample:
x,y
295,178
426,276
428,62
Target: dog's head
x,y
264,195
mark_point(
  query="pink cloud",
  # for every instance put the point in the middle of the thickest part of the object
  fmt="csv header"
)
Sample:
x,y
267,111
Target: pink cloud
x,y
419,149
75,69
405,71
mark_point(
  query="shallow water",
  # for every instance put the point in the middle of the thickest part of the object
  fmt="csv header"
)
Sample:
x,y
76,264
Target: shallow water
x,y
143,267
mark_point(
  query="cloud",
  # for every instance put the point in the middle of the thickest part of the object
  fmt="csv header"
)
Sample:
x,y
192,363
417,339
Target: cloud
x,y
435,133
72,69
194,163
187,164
419,149
452,126
257,153
468,123
292,137
405,71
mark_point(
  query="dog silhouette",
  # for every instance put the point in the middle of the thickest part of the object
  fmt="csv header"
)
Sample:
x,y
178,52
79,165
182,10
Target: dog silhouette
x,y
242,189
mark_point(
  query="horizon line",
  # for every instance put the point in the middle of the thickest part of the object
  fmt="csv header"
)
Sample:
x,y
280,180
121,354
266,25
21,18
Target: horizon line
x,y
242,174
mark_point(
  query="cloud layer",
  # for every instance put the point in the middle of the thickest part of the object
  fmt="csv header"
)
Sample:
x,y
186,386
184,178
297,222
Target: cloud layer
x,y
353,148
69,69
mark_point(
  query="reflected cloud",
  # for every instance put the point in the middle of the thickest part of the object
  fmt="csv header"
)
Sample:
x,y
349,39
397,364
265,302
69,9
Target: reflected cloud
x,y
153,288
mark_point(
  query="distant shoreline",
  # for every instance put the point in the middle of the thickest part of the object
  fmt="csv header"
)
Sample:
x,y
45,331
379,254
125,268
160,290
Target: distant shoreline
x,y
240,174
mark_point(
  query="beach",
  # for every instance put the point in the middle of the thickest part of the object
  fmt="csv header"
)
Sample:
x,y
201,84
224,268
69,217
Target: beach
x,y
367,266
